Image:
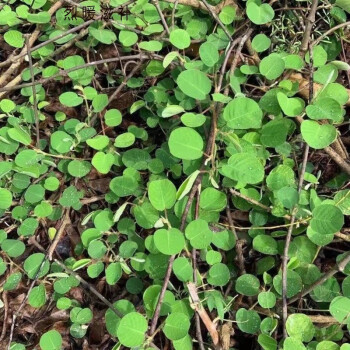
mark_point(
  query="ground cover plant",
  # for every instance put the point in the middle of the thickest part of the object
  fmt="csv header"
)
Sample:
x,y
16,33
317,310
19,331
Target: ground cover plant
x,y
174,174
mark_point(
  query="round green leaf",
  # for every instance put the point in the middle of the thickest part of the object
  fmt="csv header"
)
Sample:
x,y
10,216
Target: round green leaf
x,y
243,113
14,38
265,244
180,38
132,329
260,14
327,219
51,340
300,326
162,194
244,167
199,234
5,198
176,326
194,83
317,135
272,66
186,143
248,285
261,42
78,168
267,300
169,242
248,321
70,99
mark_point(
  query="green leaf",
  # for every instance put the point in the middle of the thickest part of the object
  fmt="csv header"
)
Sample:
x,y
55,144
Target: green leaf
x,y
218,275
113,117
176,326
169,242
209,53
39,18
13,248
227,14
272,66
78,168
99,142
199,234
260,14
186,143
162,194
180,38
327,219
344,4
243,113
5,198
280,177
291,343
19,134
244,167
37,296
103,162
104,36
182,269
70,99
123,186
248,321
33,263
51,340
291,106
127,38
124,140
248,285
100,102
14,38
212,199
267,342
275,132
113,273
340,309
317,135
265,244
172,110
300,327
325,108
261,42
194,83
267,300
132,329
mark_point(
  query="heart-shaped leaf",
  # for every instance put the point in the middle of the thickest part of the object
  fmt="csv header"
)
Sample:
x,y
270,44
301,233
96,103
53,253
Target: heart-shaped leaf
x,y
317,135
260,14
103,162
291,106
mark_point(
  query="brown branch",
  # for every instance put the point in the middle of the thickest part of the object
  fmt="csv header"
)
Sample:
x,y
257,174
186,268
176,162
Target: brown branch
x,y
128,77
194,263
330,31
89,287
343,164
161,15
52,10
59,234
6,309
202,313
304,86
338,267
217,19
65,72
308,27
18,59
